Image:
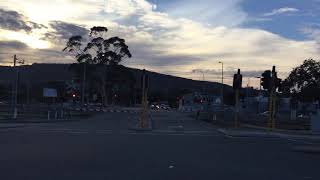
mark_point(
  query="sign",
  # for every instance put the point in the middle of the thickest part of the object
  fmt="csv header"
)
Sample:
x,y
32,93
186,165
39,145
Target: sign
x,y
49,92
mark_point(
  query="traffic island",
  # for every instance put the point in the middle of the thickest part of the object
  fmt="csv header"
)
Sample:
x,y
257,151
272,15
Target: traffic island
x,y
137,125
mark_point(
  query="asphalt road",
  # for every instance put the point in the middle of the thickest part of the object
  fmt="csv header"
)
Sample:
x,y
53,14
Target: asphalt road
x,y
103,148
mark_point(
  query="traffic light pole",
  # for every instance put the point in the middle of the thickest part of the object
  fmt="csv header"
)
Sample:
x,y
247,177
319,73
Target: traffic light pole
x,y
143,123
236,117
272,101
83,83
270,110
237,84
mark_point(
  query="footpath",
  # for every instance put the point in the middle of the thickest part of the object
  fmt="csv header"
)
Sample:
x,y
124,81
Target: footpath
x,y
308,141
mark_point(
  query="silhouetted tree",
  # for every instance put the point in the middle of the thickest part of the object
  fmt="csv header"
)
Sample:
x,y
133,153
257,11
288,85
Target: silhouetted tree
x,y
304,81
100,52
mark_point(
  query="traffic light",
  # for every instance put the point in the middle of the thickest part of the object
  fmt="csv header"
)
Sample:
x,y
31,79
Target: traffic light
x,y
266,80
278,82
237,80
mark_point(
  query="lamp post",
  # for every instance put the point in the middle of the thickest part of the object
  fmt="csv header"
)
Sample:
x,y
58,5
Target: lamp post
x,y
220,62
15,88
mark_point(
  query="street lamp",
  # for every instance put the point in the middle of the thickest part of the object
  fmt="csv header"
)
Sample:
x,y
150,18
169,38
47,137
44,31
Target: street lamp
x,y
15,89
220,62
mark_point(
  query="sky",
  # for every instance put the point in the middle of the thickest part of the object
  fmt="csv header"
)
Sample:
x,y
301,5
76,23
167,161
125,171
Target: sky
x,y
185,38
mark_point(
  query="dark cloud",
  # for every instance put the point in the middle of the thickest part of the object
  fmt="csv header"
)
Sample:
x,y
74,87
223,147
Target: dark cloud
x,y
9,48
64,30
17,45
147,54
228,72
12,20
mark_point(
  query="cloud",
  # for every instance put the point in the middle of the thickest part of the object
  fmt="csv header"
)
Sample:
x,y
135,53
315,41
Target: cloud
x,y
228,72
312,31
8,48
12,20
17,45
30,55
62,31
227,13
173,40
282,10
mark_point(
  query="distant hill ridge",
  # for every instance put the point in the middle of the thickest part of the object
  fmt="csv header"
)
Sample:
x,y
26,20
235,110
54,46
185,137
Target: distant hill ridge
x,y
37,73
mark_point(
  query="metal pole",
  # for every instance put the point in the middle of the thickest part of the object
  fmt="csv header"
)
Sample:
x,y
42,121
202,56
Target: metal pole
x,y
222,87
221,83
272,101
142,119
15,88
259,100
83,83
237,109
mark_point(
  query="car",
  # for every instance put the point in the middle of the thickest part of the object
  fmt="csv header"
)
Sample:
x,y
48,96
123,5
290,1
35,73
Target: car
x,y
265,114
303,116
164,107
3,103
154,106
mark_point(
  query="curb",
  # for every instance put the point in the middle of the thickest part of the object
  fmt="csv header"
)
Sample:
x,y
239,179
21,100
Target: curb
x,y
307,149
241,133
38,121
279,130
246,133
11,127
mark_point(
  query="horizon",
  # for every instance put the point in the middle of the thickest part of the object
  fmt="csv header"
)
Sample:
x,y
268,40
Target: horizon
x,y
252,36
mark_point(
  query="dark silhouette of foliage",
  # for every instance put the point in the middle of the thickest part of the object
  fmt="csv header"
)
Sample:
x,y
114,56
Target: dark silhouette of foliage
x,y
304,81
99,50
102,56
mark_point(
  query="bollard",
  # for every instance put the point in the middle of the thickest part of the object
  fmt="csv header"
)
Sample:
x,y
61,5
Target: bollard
x,y
55,115
48,115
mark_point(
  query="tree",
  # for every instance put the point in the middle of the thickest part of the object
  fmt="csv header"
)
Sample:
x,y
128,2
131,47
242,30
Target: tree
x,y
303,81
100,52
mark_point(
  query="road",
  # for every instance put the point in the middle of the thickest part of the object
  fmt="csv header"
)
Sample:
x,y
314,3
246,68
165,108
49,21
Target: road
x,y
180,147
